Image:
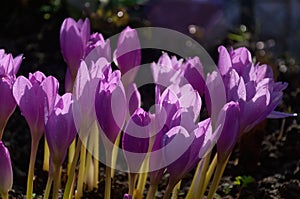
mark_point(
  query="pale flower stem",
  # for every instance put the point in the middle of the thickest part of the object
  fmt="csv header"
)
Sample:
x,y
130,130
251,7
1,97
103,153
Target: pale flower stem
x,y
34,148
131,182
71,154
48,187
175,190
96,154
168,191
151,192
4,195
89,168
56,182
199,178
217,177
81,172
209,173
72,189
142,179
69,189
107,183
46,155
115,155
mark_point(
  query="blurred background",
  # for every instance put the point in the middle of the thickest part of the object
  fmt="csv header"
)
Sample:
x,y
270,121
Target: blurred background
x,y
269,28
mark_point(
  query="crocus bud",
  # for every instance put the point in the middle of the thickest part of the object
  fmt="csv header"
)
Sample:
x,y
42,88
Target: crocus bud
x,y
110,103
136,139
230,129
6,173
9,66
35,97
74,37
128,54
60,128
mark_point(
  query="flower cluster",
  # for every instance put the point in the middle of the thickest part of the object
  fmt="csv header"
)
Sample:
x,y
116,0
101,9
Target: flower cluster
x,y
103,106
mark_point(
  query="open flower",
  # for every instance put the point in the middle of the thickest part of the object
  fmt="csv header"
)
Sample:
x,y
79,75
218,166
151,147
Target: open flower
x,y
35,97
6,173
9,67
170,70
177,111
252,86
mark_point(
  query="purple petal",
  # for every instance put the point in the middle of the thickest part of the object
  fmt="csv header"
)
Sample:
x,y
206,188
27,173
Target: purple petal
x,y
224,64
276,115
6,174
230,119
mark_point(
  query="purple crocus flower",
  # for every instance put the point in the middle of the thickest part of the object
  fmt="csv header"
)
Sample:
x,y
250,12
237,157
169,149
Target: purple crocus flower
x,y
135,140
177,108
98,47
230,129
60,128
110,103
6,173
170,70
252,86
9,67
128,54
35,97
74,37
190,143
167,71
85,86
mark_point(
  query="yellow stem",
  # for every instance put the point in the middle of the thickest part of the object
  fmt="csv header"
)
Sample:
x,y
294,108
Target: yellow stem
x,y
4,195
199,178
131,183
71,154
46,156
89,172
175,190
209,173
142,179
70,182
115,155
107,183
151,192
217,177
48,187
81,172
72,189
34,148
96,154
56,182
